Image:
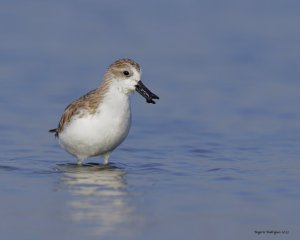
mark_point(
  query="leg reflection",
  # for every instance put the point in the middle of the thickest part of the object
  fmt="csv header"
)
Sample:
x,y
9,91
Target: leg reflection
x,y
99,199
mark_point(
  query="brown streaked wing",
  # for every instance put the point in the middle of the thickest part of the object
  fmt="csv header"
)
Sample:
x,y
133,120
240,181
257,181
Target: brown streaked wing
x,y
88,102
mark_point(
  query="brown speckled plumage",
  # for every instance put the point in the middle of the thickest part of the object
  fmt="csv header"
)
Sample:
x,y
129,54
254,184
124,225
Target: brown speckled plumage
x,y
123,63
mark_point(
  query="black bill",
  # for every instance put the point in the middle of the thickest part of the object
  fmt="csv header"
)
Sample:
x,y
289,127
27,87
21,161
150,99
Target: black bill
x,y
145,92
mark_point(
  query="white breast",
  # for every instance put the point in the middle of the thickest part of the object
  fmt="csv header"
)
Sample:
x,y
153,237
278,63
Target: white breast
x,y
99,133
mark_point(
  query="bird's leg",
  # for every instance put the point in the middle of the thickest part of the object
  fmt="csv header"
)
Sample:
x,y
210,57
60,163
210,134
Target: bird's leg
x,y
80,161
106,157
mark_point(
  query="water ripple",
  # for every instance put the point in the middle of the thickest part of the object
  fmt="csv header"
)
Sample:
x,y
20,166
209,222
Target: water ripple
x,y
9,168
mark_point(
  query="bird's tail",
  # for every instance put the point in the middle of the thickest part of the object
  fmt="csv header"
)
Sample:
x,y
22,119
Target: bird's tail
x,y
54,130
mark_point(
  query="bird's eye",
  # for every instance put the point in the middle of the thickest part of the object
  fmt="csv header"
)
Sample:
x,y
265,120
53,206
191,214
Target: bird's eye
x,y
126,73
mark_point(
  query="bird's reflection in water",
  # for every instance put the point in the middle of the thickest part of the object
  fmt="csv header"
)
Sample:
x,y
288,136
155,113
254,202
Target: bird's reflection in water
x,y
99,196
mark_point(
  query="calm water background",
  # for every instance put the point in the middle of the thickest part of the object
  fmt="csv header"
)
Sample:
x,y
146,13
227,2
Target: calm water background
x,y
216,158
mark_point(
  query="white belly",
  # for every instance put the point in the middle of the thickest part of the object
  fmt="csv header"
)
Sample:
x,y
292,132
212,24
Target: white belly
x,y
93,135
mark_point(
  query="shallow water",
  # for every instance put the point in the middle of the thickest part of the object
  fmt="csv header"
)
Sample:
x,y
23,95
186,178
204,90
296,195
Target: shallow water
x,y
216,158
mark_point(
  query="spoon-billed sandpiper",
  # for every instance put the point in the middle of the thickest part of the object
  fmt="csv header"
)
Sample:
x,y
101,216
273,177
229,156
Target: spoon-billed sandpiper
x,y
99,121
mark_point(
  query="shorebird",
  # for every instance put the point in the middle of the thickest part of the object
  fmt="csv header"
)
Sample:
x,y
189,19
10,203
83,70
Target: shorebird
x,y
99,121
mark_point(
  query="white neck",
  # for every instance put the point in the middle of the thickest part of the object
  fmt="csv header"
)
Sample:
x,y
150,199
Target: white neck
x,y
116,102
